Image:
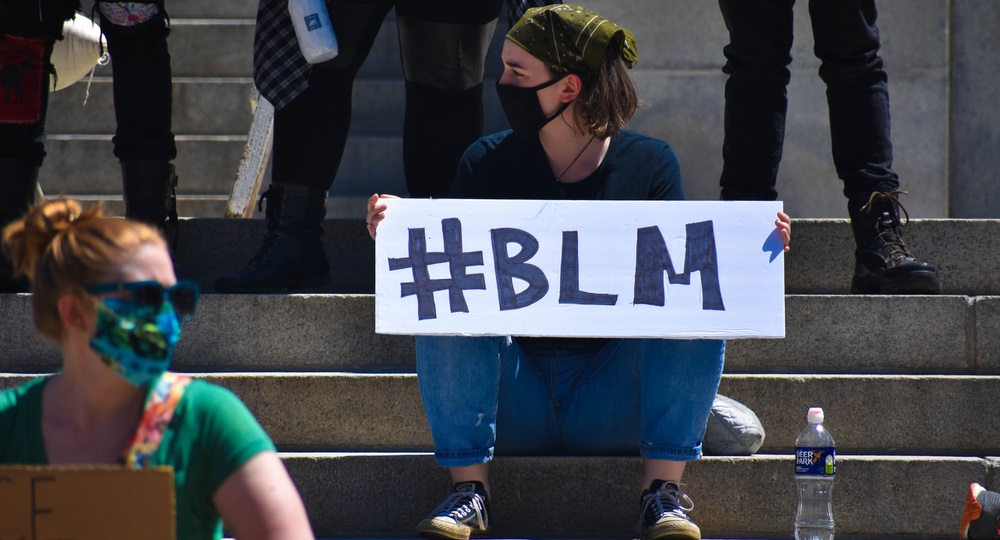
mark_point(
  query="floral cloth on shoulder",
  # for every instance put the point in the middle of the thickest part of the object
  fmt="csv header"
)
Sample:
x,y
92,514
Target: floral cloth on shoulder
x,y
163,399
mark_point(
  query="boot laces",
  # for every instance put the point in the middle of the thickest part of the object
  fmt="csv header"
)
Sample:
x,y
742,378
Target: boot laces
x,y
461,504
667,500
889,223
272,220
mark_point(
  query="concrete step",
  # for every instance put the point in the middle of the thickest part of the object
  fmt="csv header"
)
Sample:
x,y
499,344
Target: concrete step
x,y
821,259
214,206
694,33
682,85
681,107
679,81
206,165
891,414
220,106
223,47
347,495
310,333
222,9
906,415
324,332
204,47
963,250
201,106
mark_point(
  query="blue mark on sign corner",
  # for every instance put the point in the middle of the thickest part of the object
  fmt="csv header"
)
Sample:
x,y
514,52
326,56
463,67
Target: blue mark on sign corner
x,y
774,245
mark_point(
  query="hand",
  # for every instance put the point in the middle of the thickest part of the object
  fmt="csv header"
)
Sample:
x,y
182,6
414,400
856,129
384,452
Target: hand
x,y
784,225
376,212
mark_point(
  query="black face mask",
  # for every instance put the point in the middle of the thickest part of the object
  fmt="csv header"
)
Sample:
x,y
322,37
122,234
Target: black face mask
x,y
523,112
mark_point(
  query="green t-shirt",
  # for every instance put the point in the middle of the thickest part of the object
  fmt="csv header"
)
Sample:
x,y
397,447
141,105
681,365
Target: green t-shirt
x,y
211,435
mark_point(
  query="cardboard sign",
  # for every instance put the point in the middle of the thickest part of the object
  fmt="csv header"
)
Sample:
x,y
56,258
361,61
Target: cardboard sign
x,y
86,503
668,269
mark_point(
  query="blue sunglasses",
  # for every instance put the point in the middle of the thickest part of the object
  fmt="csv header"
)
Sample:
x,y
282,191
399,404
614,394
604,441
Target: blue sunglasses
x,y
183,296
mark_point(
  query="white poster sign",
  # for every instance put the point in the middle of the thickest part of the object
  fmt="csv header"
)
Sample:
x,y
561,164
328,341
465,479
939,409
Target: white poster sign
x,y
670,269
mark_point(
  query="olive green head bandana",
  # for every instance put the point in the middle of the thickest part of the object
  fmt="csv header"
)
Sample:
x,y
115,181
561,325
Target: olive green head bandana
x,y
572,38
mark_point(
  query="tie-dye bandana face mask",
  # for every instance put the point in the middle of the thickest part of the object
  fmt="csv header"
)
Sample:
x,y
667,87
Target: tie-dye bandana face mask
x,y
136,342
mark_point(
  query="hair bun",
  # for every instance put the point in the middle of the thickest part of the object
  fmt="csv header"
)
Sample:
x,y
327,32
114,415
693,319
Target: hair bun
x,y
28,238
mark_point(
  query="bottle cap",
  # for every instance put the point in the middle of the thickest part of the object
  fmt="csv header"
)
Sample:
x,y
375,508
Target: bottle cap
x,y
815,415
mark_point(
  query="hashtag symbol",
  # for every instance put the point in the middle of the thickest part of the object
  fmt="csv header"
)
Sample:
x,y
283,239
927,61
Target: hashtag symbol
x,y
423,287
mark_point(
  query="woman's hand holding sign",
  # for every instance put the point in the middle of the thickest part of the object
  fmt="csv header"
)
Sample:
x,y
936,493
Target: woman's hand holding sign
x,y
783,223
376,212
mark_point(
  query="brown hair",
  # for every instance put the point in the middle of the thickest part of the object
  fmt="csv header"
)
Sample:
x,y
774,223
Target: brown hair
x,y
607,100
63,248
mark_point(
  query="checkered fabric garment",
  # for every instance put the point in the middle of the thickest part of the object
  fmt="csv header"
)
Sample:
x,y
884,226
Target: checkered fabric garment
x,y
279,70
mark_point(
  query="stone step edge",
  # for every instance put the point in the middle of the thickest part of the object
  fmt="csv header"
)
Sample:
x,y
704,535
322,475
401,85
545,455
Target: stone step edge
x,y
355,374
873,495
989,461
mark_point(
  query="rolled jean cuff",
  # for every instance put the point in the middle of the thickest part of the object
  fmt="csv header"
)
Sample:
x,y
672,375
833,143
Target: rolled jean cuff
x,y
670,453
463,458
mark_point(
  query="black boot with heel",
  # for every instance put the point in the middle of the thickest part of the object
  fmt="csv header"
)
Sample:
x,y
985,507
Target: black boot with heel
x,y
18,184
149,188
883,264
291,256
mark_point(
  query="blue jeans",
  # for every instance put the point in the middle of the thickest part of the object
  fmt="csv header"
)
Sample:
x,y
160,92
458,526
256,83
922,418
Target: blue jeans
x,y
757,59
650,396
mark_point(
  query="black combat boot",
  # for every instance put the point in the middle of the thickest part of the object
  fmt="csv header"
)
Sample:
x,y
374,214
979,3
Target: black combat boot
x,y
883,264
291,257
149,188
18,184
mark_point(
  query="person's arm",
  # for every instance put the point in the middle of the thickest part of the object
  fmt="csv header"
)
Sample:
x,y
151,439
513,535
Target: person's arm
x,y
238,467
259,502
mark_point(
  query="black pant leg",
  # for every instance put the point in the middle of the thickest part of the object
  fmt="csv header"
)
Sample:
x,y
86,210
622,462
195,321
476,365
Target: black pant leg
x,y
141,82
310,133
20,137
443,47
757,58
847,43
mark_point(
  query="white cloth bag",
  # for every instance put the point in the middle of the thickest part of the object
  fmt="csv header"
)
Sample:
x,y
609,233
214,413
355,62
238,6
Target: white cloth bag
x,y
80,50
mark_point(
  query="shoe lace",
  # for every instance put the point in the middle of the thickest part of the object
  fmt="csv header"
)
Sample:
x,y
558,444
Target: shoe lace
x,y
273,199
889,223
461,504
668,499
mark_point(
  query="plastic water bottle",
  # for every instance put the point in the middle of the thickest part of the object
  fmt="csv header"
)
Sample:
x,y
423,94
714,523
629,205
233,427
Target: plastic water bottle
x,y
815,465
313,30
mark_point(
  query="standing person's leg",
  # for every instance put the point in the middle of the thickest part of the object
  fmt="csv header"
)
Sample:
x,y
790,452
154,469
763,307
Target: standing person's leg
x,y
757,58
27,33
443,46
310,134
847,43
144,143
459,381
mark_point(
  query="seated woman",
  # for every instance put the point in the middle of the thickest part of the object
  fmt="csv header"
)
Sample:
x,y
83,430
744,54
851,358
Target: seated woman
x,y
567,95
104,290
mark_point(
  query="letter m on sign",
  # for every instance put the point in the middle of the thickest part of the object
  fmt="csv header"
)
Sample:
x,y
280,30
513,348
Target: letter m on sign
x,y
652,259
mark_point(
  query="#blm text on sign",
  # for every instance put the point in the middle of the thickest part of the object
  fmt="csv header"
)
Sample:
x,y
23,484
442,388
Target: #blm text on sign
x,y
670,269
